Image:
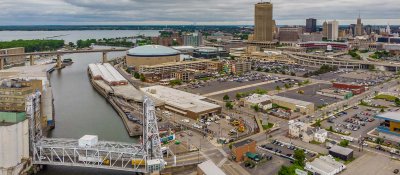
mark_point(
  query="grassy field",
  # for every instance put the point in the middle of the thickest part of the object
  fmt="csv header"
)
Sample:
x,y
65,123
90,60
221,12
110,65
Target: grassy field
x,y
386,97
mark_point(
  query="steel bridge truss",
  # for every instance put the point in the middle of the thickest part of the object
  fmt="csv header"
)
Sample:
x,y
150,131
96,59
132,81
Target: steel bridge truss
x,y
141,157
107,155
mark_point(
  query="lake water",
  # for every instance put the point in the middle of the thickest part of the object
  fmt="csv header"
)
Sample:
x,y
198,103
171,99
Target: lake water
x,y
73,36
79,109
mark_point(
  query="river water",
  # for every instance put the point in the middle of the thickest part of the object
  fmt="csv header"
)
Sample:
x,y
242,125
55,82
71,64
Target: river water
x,y
79,109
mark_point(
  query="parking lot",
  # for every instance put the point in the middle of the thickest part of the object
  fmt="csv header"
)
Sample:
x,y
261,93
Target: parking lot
x,y
228,82
357,121
275,67
309,94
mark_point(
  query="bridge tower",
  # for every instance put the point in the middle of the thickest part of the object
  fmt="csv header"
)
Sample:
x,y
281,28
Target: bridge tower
x,y
59,62
151,137
105,57
32,60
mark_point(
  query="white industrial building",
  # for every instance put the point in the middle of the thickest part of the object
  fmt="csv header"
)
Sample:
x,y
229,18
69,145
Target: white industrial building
x,y
325,165
184,103
14,147
263,101
209,168
107,73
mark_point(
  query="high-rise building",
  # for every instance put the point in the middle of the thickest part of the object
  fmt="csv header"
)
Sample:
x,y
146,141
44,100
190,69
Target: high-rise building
x,y
193,39
325,29
359,27
333,30
263,22
289,34
311,25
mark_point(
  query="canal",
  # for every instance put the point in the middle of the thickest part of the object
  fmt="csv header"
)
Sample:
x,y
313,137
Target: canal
x,y
80,110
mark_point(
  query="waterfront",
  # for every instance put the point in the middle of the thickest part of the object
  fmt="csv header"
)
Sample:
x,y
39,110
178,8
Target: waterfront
x,y
73,36
80,110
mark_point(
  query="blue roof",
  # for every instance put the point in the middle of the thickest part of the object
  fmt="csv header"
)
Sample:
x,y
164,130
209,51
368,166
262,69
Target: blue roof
x,y
152,50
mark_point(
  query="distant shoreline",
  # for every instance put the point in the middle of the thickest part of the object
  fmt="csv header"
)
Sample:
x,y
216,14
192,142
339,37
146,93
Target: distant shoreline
x,y
108,27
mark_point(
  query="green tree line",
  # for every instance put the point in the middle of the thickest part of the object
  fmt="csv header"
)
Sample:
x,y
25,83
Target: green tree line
x,y
33,45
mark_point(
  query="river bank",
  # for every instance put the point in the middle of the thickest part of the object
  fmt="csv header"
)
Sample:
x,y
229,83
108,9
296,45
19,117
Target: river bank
x,y
118,98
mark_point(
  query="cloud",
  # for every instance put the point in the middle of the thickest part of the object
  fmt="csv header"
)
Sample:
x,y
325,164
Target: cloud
x,y
190,11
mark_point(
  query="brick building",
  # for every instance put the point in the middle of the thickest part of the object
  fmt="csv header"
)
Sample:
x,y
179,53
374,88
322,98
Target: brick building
x,y
239,149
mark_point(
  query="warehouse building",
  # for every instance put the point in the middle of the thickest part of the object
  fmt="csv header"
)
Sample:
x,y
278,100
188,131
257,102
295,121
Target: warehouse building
x,y
390,127
293,104
183,103
209,168
325,165
341,152
354,88
239,149
13,60
107,73
151,55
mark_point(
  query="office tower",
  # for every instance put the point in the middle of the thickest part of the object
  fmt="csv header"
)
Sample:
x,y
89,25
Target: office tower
x,y
263,23
359,27
325,29
289,34
352,29
311,25
333,30
193,39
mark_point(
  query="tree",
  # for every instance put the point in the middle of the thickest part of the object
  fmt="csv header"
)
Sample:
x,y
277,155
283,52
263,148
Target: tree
x,y
226,97
330,128
397,101
142,78
238,96
299,157
318,123
136,75
344,143
71,44
229,105
277,88
287,86
286,171
379,140
292,74
256,108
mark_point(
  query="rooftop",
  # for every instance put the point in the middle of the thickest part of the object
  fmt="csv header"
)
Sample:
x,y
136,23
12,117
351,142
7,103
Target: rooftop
x,y
209,168
324,165
300,103
152,50
257,98
242,143
179,99
392,116
341,150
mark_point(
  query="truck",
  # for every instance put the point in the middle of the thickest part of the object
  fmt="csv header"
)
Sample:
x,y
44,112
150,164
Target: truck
x,y
350,139
253,156
142,162
88,141
100,160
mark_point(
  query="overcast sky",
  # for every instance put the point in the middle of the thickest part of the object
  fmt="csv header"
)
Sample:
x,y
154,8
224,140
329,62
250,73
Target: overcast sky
x,y
209,12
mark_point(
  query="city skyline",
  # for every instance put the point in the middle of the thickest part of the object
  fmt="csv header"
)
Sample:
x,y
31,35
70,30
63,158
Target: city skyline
x,y
236,12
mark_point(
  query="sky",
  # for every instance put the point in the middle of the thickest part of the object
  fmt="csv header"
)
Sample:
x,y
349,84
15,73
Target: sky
x,y
188,12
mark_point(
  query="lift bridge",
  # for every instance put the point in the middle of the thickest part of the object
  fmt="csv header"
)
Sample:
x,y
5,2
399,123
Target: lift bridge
x,y
145,157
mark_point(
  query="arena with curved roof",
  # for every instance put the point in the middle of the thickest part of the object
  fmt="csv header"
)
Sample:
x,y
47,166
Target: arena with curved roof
x,y
151,55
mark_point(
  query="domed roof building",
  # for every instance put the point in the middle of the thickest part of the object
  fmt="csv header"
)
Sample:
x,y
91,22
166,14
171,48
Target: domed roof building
x,y
151,55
